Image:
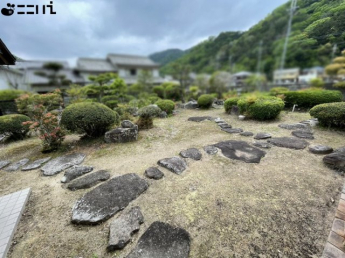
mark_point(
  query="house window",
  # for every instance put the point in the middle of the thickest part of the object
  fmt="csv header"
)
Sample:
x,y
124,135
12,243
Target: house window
x,y
133,72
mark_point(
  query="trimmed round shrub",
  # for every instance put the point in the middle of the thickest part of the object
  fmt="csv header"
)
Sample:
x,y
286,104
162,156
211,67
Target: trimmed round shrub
x,y
205,101
146,115
166,105
229,103
340,85
311,98
92,119
13,125
173,92
7,95
111,103
331,114
261,108
278,90
159,90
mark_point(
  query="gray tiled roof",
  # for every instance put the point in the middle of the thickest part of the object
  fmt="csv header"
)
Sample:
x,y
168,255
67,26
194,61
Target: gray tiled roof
x,y
131,60
37,64
32,78
95,64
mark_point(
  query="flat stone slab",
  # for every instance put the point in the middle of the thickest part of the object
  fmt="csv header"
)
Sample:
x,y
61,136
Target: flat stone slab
x,y
162,240
107,199
17,165
296,126
89,180
154,173
174,164
336,159
247,134
262,136
289,142
262,145
36,164
320,149
192,153
122,228
4,163
122,135
211,150
59,164
200,119
75,172
240,150
234,130
303,134
224,125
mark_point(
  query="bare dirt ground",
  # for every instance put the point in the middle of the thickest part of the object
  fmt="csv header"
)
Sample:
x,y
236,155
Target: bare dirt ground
x,y
279,208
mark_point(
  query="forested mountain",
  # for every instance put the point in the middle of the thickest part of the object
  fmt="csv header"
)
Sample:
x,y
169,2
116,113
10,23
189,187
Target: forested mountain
x,y
317,26
167,56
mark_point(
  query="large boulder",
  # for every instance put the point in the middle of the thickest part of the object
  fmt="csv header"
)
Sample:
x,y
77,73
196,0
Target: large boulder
x,y
122,135
240,150
336,160
174,164
15,166
191,105
59,164
107,199
122,228
289,142
89,180
162,240
127,124
36,164
74,172
192,153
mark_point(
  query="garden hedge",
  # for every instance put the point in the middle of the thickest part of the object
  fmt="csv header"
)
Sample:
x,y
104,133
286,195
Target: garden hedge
x,y
278,90
93,119
205,101
13,125
311,98
331,114
166,105
229,103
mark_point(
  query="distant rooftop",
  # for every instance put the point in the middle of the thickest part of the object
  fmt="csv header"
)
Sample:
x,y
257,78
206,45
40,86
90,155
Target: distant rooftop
x,y
131,60
29,64
95,64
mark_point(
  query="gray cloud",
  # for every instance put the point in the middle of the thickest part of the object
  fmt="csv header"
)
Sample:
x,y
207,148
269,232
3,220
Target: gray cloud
x,y
97,27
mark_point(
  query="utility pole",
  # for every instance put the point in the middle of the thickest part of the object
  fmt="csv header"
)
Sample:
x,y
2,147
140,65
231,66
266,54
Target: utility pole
x,y
292,12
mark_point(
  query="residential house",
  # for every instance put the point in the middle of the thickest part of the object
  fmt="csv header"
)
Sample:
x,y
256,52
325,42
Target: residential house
x,y
311,73
286,76
238,80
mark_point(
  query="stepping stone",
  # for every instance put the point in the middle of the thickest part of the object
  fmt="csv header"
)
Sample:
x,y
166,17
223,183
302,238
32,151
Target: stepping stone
x,y
108,199
15,166
225,126
247,134
289,142
303,134
36,164
174,164
262,145
59,164
294,126
154,173
331,251
122,228
192,153
336,160
162,240
89,180
320,149
211,150
75,172
262,136
4,163
311,122
200,119
235,130
240,150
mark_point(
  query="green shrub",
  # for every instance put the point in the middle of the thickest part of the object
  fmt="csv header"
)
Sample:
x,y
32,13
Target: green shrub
x,y
278,90
160,91
93,119
311,98
173,92
146,115
261,108
111,103
229,103
13,125
7,95
331,114
166,105
340,85
205,101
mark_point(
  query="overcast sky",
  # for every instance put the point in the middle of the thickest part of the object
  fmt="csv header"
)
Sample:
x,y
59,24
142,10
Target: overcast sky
x,y
93,28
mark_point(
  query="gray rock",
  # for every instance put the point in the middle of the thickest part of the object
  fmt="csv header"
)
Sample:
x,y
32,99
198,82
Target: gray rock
x,y
122,228
240,150
59,164
174,164
247,134
163,114
162,240
192,153
262,145
200,119
235,110
4,163
303,134
232,131
154,173
312,122
74,172
36,164
107,199
262,136
122,135
15,166
320,149
219,102
191,105
289,142
294,126
89,181
225,126
211,150
218,120
127,124
336,160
